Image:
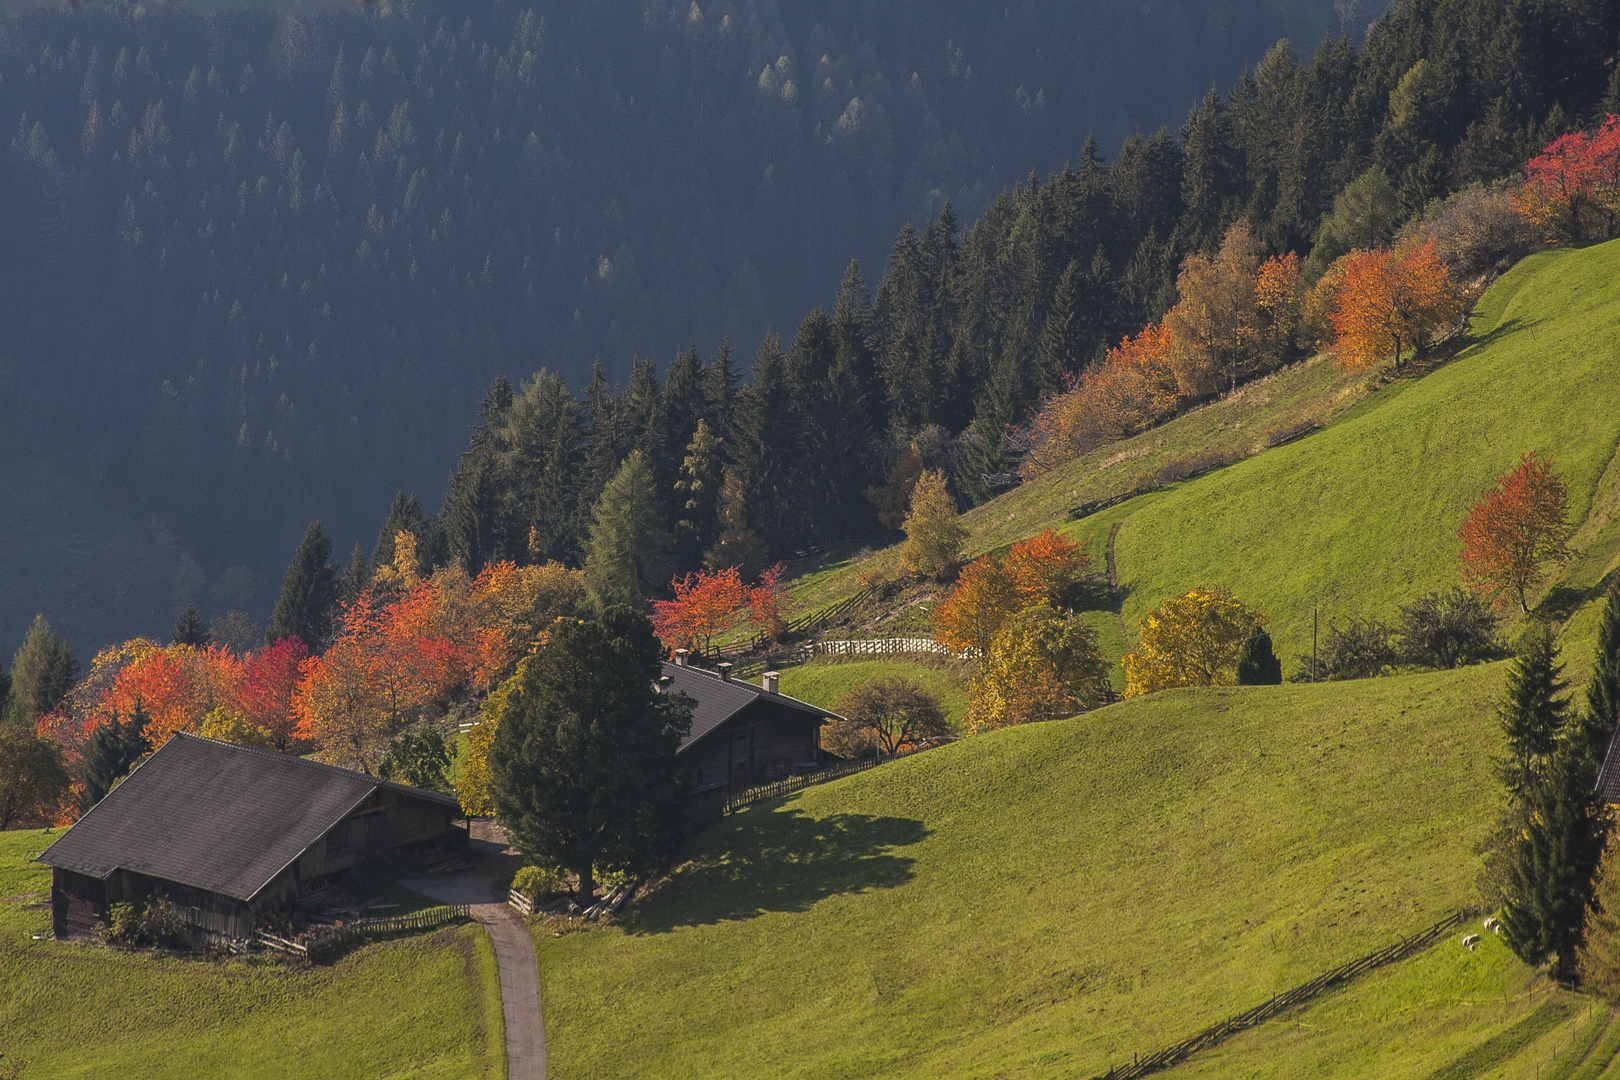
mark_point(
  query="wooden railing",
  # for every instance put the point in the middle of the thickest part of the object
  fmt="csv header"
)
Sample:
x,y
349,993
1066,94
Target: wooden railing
x,y
1181,1051
327,943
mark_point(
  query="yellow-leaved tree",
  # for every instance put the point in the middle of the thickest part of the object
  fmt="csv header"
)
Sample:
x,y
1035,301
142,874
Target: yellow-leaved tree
x,y
1193,640
232,726
472,783
933,546
1042,664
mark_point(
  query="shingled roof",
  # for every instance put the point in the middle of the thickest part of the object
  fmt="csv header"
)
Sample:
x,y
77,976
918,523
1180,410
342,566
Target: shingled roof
x,y
1608,782
718,700
215,816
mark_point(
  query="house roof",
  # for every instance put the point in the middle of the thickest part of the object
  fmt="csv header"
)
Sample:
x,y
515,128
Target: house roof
x,y
718,700
215,816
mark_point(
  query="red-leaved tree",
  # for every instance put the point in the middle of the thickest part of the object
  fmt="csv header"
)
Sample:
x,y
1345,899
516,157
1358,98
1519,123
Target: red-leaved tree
x,y
1514,530
767,602
1574,182
705,604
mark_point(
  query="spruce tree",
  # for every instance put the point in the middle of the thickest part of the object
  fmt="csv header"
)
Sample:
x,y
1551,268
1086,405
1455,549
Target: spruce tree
x,y
309,593
1257,661
42,672
1603,691
627,556
1533,712
698,491
1549,875
720,382
189,629
356,575
111,751
583,772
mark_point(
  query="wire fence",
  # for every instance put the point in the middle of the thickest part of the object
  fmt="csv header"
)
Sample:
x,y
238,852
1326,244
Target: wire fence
x,y
1212,1036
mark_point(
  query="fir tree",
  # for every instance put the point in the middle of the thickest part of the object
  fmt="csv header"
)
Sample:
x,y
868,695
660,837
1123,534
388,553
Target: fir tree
x,y
189,629
1533,712
627,556
42,672
698,490
356,575
1257,661
765,451
309,593
720,382
583,772
1549,873
111,751
545,453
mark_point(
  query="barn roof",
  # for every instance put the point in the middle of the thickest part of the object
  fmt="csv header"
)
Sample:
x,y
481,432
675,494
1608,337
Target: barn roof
x,y
718,700
215,816
1608,782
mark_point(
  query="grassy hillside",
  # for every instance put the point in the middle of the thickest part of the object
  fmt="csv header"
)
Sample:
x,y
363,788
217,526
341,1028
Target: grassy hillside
x,y
426,1008
1045,900
1361,516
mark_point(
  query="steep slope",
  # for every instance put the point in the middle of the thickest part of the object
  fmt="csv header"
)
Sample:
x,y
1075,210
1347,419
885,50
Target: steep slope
x,y
1051,898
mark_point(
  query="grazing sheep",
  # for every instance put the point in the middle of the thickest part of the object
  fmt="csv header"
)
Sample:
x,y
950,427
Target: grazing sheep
x,y
1470,941
1490,922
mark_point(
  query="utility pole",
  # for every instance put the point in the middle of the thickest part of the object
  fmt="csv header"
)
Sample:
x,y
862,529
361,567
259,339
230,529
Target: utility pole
x,y
1313,644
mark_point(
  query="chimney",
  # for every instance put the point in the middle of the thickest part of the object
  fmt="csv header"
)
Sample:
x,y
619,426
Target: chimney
x,y
768,681
725,672
680,657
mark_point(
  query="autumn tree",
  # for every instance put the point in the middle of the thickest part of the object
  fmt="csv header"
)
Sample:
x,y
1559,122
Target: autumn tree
x,y
1599,951
267,687
33,780
739,545
233,726
705,604
768,602
340,705
1216,321
583,772
893,499
42,672
1389,300
1045,568
934,536
891,712
1514,530
1041,664
1192,640
472,781
1573,185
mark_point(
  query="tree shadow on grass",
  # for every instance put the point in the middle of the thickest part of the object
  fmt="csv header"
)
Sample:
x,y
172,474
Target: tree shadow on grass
x,y
759,862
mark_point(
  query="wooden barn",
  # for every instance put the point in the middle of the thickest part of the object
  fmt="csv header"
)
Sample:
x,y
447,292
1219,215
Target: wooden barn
x,y
744,734
226,833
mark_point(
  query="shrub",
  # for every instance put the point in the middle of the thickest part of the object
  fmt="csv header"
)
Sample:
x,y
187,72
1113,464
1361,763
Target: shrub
x,y
154,922
1448,630
1257,663
1364,648
1479,230
537,882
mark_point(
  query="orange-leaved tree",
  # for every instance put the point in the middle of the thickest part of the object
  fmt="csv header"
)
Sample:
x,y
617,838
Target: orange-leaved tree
x,y
705,604
767,602
1573,185
1389,300
1043,569
1514,530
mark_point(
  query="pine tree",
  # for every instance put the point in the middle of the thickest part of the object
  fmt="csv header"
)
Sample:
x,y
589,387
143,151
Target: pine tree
x,y
42,672
1533,712
1549,879
111,751
309,593
583,772
189,629
356,575
1603,692
698,491
627,556
1257,662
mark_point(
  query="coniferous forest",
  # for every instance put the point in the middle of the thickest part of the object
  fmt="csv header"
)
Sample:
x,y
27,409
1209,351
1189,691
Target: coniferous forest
x,y
263,268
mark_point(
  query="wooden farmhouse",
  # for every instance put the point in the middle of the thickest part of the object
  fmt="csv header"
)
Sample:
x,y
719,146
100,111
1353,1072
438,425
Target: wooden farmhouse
x,y
744,734
227,833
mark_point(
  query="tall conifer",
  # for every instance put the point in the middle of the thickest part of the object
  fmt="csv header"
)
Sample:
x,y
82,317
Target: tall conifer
x,y
42,672
309,593
627,556
189,628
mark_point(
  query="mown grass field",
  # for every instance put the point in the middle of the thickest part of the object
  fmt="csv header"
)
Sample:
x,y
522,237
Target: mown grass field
x,y
423,1008
1045,901
825,682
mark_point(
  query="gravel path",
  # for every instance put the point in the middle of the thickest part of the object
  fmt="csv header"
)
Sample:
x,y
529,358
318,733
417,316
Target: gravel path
x,y
484,891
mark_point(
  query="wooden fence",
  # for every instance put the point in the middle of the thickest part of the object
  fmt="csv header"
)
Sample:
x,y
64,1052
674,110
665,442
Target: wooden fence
x,y
803,625
1212,1036
742,800
328,943
858,647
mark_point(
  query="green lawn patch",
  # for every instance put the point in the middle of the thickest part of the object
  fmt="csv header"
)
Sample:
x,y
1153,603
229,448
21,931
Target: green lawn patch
x,y
1046,900
426,1007
825,682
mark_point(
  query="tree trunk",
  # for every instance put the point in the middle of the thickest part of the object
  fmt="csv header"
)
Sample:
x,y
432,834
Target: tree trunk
x,y
587,886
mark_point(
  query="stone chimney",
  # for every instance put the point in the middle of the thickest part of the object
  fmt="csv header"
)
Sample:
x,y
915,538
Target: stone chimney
x,y
769,681
680,657
725,672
